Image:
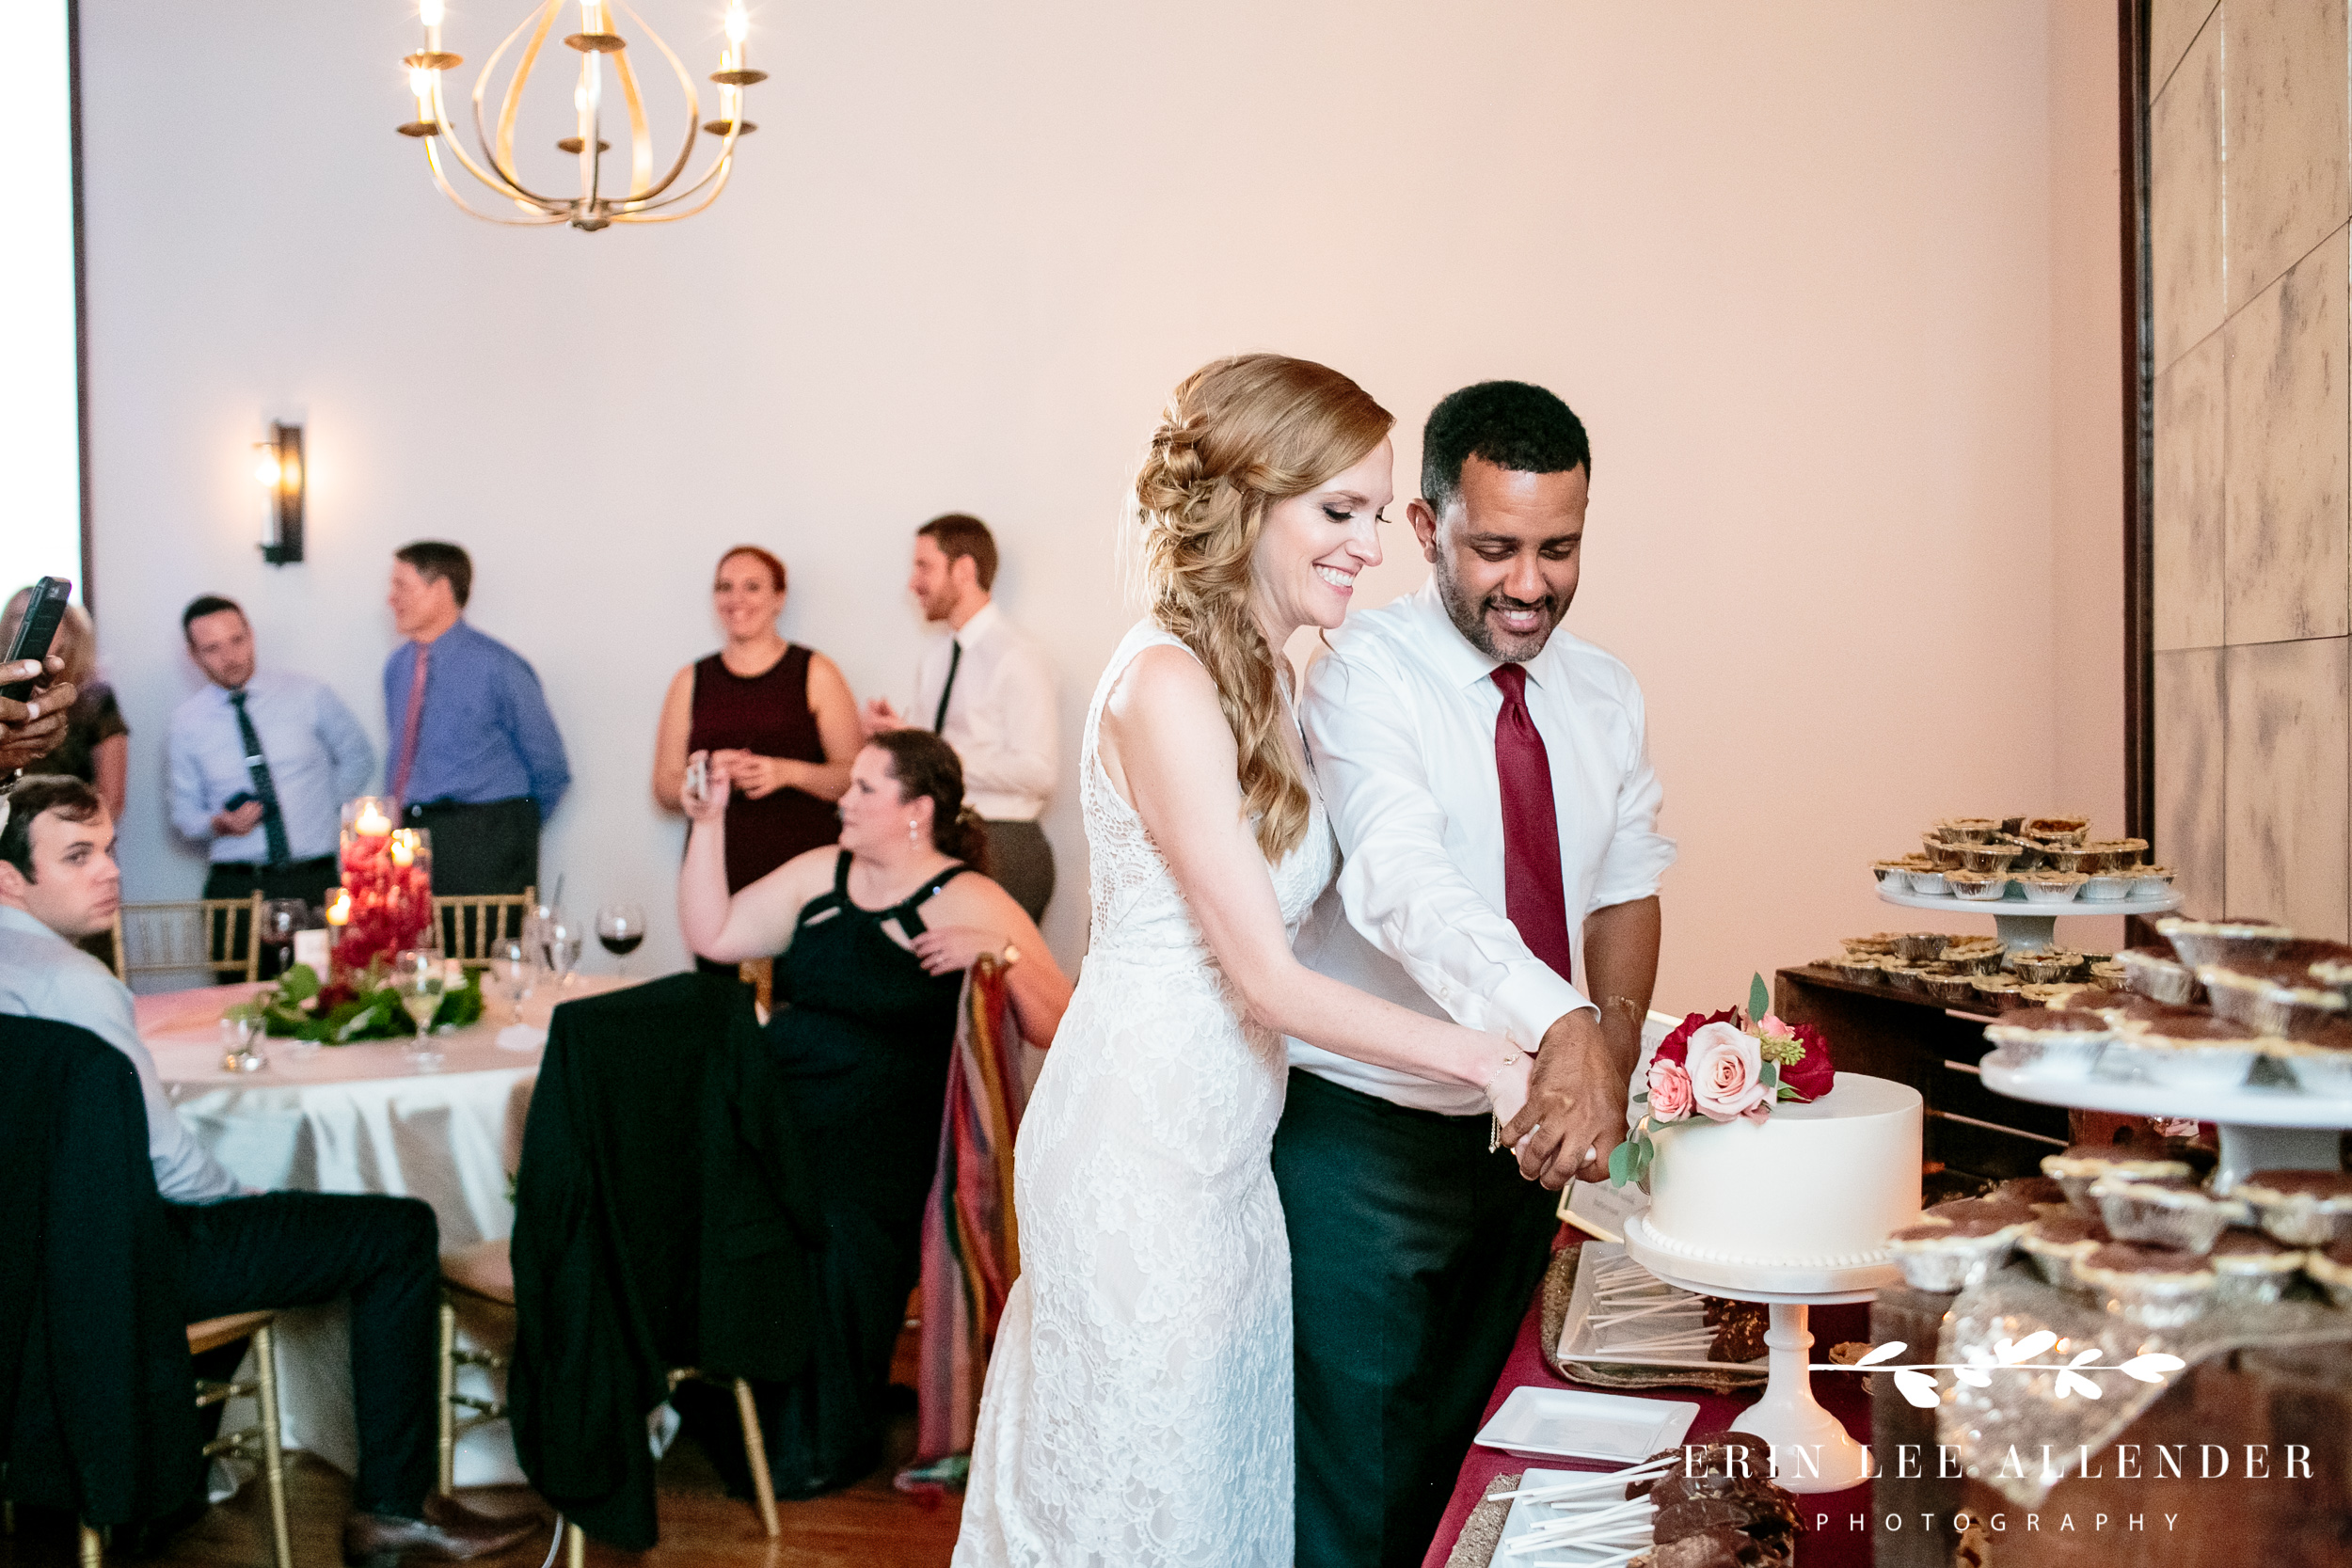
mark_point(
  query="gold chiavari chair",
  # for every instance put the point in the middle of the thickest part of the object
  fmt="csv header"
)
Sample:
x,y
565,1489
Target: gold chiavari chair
x,y
260,1444
216,936
472,924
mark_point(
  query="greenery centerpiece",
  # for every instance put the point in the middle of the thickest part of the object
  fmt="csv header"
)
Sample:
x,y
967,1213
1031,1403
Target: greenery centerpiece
x,y
362,1006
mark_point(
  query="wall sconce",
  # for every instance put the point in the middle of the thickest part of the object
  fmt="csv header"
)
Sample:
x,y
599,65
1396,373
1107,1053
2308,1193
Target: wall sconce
x,y
278,467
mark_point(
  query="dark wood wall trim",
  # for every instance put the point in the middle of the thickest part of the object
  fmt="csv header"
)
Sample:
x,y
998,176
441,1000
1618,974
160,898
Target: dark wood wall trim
x,y
2138,340
81,299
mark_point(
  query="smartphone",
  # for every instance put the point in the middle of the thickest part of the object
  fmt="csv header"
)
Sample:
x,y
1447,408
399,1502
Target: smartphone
x,y
242,797
697,776
38,629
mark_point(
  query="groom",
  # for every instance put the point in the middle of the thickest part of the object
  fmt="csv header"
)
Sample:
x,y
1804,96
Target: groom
x,y
1488,781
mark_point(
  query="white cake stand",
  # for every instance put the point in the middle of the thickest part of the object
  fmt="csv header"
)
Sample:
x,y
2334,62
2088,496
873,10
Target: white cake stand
x,y
1788,1418
2263,1127
2024,923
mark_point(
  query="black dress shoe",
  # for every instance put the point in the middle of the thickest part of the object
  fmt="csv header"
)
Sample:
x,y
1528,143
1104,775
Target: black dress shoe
x,y
449,1533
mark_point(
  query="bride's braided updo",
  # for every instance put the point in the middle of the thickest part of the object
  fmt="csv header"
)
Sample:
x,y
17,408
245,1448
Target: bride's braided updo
x,y
1239,434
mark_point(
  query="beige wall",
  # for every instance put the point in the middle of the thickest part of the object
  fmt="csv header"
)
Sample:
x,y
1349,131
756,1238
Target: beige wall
x,y
1833,284
2249,201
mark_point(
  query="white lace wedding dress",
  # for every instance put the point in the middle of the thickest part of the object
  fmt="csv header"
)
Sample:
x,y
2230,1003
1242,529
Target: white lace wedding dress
x,y
1137,1411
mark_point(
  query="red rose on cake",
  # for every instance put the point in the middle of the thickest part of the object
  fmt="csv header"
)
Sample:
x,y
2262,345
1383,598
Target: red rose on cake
x,y
1724,1068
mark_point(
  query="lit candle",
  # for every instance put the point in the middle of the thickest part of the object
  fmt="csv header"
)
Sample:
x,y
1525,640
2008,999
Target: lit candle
x,y
404,848
339,907
429,12
372,823
738,27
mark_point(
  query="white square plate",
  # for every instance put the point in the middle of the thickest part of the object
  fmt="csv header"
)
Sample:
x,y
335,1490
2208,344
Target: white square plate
x,y
1570,1423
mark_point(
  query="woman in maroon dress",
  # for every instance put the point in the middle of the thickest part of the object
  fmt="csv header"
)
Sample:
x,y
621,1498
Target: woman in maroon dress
x,y
777,719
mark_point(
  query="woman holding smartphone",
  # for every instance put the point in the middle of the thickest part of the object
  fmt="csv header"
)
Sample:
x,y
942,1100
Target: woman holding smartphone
x,y
777,720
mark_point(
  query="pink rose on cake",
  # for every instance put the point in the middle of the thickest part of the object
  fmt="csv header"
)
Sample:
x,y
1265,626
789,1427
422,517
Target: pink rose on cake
x,y
1726,1074
1669,1089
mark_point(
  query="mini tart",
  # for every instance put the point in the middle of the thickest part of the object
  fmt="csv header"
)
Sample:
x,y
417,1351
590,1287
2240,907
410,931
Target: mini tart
x,y
2167,1210
2029,854
2043,885
2059,996
1995,990
2221,941
2322,1064
1915,946
1931,882
2156,973
2273,996
1977,955
2062,830
2075,857
1954,988
2076,1168
1987,856
2045,967
2302,1207
2251,1267
1945,1255
1907,977
2121,852
1877,942
1983,886
2058,1043
2150,1286
2056,1242
1967,829
1892,875
2108,886
2191,1050
2108,974
1943,851
2333,1271
2149,881
2034,1192
1862,969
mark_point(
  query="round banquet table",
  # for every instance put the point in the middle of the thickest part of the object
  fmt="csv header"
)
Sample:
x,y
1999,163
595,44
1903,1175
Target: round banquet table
x,y
362,1118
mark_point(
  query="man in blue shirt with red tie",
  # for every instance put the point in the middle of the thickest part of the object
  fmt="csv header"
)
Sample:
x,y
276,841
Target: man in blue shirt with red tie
x,y
475,756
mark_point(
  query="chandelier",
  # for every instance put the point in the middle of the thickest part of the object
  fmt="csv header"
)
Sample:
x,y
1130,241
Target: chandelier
x,y
600,202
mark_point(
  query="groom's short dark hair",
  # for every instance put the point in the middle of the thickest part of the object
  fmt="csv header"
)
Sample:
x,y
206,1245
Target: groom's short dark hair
x,y
1511,424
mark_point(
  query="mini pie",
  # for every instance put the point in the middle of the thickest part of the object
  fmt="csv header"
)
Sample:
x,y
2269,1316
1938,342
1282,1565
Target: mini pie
x,y
2054,1042
2191,1050
1984,885
2034,1192
2121,852
1967,829
2065,829
2303,1207
2076,1168
2253,1267
2057,1242
1945,1255
2151,1287
2045,967
1930,881
1862,969
2029,854
2332,1269
2155,973
1877,942
2107,974
1995,989
2043,885
2106,886
2221,941
1912,947
1943,851
1986,857
2322,1064
2167,1211
1955,988
2274,996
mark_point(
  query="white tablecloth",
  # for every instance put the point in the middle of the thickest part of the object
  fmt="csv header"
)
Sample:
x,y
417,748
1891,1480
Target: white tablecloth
x,y
360,1118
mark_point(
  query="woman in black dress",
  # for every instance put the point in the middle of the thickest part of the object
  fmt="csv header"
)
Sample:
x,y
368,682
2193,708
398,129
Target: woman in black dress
x,y
875,934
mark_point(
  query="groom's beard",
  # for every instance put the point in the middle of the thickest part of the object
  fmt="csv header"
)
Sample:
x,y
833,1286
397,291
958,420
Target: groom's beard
x,y
1476,618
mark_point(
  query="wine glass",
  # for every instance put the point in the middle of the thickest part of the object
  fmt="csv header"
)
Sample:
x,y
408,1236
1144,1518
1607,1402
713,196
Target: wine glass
x,y
621,928
238,1034
514,969
560,941
280,919
420,982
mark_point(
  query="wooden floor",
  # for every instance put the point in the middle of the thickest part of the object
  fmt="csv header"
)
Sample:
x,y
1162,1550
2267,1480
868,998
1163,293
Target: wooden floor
x,y
870,1525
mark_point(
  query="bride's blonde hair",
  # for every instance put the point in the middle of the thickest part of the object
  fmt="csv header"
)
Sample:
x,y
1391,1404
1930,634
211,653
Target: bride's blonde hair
x,y
1239,434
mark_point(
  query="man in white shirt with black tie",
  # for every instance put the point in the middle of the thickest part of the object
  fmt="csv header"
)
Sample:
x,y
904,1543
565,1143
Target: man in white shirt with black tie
x,y
987,690
1488,780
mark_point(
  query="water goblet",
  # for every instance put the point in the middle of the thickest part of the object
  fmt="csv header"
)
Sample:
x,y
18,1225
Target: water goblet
x,y
621,928
420,982
238,1033
515,970
561,938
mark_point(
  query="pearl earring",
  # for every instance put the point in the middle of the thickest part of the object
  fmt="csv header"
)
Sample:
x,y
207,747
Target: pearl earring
x,y
912,831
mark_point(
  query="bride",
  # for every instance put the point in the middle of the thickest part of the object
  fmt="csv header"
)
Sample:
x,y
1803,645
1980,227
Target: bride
x,y
1137,1409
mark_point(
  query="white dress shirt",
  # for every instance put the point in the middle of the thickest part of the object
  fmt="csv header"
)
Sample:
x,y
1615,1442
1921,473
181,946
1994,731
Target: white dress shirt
x,y
43,975
1000,716
1400,718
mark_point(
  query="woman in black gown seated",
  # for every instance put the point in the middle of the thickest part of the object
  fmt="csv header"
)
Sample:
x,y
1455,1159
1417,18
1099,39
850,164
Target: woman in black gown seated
x,y
875,933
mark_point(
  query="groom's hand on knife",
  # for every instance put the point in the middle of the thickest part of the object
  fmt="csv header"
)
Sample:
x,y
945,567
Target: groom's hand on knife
x,y
1576,1101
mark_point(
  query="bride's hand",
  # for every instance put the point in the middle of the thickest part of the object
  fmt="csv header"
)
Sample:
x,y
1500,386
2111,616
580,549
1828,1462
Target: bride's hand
x,y
1508,1089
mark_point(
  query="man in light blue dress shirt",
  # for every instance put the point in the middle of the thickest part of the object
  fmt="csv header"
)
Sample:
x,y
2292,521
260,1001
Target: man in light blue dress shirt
x,y
260,762
475,756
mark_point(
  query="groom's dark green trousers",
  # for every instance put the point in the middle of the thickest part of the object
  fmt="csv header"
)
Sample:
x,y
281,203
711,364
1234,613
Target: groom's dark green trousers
x,y
1414,1253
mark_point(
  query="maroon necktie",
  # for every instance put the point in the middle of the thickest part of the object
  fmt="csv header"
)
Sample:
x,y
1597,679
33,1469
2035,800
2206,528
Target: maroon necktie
x,y
406,758
1532,895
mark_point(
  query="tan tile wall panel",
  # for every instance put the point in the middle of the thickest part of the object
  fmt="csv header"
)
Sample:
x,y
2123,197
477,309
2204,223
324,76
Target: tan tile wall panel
x,y
2184,200
2188,499
2191,794
2287,549
2284,98
2289,790
2172,26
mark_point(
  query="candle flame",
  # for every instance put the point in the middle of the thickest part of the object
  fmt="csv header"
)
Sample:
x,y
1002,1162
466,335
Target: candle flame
x,y
404,852
339,907
372,823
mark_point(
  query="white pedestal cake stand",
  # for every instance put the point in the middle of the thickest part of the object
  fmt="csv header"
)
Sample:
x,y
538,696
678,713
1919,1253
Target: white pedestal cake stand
x,y
2263,1127
2026,925
1787,1417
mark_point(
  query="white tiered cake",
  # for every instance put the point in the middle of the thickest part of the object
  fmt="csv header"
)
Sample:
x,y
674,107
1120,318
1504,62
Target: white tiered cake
x,y
1800,1203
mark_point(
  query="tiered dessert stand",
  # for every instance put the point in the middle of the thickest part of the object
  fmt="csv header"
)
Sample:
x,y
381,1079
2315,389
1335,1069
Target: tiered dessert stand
x,y
1787,1417
2024,923
2264,1127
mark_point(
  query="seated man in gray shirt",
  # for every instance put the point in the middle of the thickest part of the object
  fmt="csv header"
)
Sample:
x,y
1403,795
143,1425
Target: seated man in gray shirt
x,y
58,883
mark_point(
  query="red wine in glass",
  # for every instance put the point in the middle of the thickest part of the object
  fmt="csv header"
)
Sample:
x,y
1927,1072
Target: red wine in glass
x,y
621,928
